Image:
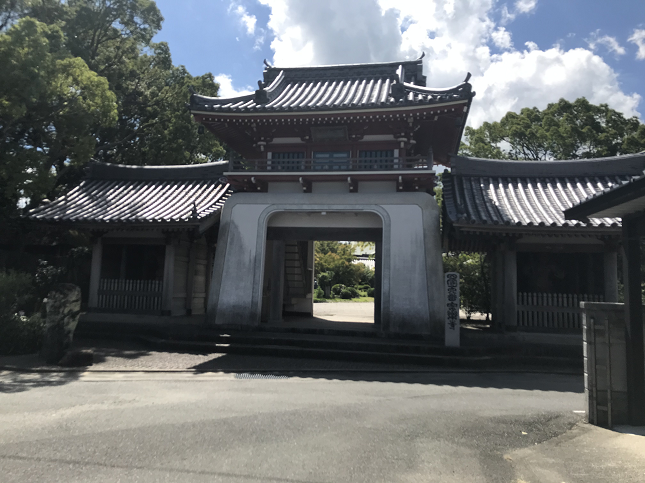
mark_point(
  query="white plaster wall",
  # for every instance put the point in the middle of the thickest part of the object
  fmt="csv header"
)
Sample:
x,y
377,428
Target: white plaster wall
x,y
330,187
412,270
377,187
284,187
235,295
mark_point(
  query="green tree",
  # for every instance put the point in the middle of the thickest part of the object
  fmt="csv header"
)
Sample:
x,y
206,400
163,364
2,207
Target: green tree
x,y
475,282
114,37
84,80
336,258
563,130
49,103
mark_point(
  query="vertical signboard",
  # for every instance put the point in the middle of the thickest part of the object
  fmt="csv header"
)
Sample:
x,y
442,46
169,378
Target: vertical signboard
x,y
452,309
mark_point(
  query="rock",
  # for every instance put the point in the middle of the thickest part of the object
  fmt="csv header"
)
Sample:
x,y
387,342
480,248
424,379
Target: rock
x,y
63,309
79,358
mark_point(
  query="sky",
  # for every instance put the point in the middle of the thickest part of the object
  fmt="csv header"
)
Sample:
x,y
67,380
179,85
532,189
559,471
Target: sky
x,y
521,53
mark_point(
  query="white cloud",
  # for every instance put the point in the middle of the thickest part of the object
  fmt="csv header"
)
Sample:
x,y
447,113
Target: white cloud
x,y
520,7
525,6
248,21
638,38
502,38
458,36
226,88
610,43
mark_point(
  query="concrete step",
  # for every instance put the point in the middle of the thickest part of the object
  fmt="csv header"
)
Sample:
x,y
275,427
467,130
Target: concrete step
x,y
503,361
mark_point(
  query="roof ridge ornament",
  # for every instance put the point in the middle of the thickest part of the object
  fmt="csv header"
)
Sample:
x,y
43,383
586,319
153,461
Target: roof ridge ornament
x,y
267,64
468,76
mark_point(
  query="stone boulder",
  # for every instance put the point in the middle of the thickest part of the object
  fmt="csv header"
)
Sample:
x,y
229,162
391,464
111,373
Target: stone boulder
x,y
63,306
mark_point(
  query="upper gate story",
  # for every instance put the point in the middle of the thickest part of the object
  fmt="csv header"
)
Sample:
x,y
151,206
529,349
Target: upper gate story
x,y
378,122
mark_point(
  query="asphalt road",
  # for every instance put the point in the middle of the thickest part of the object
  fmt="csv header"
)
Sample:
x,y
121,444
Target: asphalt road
x,y
437,427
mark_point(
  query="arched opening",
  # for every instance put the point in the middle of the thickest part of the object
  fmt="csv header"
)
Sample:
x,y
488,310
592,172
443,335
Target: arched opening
x,y
290,280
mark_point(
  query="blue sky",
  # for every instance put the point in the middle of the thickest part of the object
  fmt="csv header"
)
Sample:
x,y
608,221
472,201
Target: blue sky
x,y
522,53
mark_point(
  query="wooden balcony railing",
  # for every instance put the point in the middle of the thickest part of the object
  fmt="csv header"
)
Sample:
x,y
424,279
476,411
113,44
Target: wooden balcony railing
x,y
346,164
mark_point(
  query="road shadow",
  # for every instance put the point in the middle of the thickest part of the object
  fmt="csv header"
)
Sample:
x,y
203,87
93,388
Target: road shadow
x,y
14,382
266,367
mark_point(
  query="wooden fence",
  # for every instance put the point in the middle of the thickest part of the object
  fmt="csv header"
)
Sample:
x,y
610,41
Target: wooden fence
x,y
551,310
130,295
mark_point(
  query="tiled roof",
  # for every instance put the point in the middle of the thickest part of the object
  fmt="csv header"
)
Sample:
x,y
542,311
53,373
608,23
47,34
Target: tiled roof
x,y
337,87
483,193
144,195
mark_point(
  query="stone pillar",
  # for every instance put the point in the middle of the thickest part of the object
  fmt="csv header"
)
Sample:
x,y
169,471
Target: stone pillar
x,y
95,273
63,309
277,282
510,288
611,274
634,323
168,277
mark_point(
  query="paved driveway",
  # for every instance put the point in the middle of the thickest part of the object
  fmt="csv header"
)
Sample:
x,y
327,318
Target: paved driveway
x,y
442,427
345,311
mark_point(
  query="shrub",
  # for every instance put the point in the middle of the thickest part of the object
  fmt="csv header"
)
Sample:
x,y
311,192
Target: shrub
x,y
346,294
355,293
20,334
337,289
16,292
319,293
320,301
370,292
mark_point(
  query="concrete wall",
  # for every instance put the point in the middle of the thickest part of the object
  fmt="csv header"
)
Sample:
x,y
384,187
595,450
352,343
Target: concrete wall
x,y
605,363
412,284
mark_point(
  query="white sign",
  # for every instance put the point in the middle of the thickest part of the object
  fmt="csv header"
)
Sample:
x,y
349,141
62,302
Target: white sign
x,y
452,309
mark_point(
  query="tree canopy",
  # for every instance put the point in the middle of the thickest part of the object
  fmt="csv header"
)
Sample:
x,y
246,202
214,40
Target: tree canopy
x,y
81,80
563,130
337,258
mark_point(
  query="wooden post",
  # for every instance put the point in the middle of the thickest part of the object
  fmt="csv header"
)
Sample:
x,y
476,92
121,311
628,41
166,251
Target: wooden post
x,y
95,273
378,281
611,273
634,322
277,282
510,288
168,277
497,288
190,275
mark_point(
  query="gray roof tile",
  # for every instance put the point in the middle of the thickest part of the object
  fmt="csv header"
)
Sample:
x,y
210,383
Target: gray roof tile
x,y
534,199
141,195
336,87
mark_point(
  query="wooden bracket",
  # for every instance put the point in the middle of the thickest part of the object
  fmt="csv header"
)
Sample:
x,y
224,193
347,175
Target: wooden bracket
x,y
258,185
306,185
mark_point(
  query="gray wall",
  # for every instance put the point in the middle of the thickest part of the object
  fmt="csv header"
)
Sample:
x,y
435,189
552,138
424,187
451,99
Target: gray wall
x,y
412,266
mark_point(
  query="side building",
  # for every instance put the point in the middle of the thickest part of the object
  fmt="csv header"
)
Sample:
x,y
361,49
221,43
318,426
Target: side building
x,y
542,264
154,233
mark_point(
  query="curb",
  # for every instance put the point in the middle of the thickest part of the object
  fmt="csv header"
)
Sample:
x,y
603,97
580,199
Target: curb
x,y
429,370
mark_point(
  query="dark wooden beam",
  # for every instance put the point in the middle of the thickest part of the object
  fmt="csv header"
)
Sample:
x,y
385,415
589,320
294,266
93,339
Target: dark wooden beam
x,y
324,234
306,185
634,321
